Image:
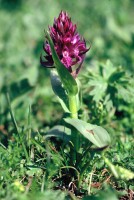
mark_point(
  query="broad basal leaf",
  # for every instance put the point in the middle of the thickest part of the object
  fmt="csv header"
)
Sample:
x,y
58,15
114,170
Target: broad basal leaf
x,y
95,134
60,132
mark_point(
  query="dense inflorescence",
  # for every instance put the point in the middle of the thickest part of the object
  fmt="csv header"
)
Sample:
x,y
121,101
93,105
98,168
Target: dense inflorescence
x,y
69,45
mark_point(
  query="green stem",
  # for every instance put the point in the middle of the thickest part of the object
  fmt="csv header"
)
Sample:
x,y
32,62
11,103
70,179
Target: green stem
x,y
3,146
73,107
16,128
23,145
29,129
75,135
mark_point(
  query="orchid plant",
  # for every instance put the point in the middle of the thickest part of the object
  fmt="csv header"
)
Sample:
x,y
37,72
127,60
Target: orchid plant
x,y
64,53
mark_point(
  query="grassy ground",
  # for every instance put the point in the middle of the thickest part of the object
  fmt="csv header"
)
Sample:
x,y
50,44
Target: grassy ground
x,y
30,166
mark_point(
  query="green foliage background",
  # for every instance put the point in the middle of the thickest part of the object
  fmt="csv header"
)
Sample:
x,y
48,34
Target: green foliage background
x,y
106,25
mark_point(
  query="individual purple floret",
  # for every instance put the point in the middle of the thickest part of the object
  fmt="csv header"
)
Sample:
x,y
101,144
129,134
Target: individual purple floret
x,y
69,45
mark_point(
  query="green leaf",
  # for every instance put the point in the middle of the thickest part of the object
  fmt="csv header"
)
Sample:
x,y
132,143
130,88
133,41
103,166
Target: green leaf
x,y
107,69
18,89
60,132
99,88
59,90
115,76
66,78
79,95
118,171
95,134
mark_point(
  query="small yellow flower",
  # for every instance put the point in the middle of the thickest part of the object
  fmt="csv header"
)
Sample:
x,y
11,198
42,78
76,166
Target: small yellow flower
x,y
19,186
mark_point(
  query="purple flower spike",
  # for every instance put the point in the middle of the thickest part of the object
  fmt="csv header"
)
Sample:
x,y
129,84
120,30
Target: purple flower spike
x,y
69,45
